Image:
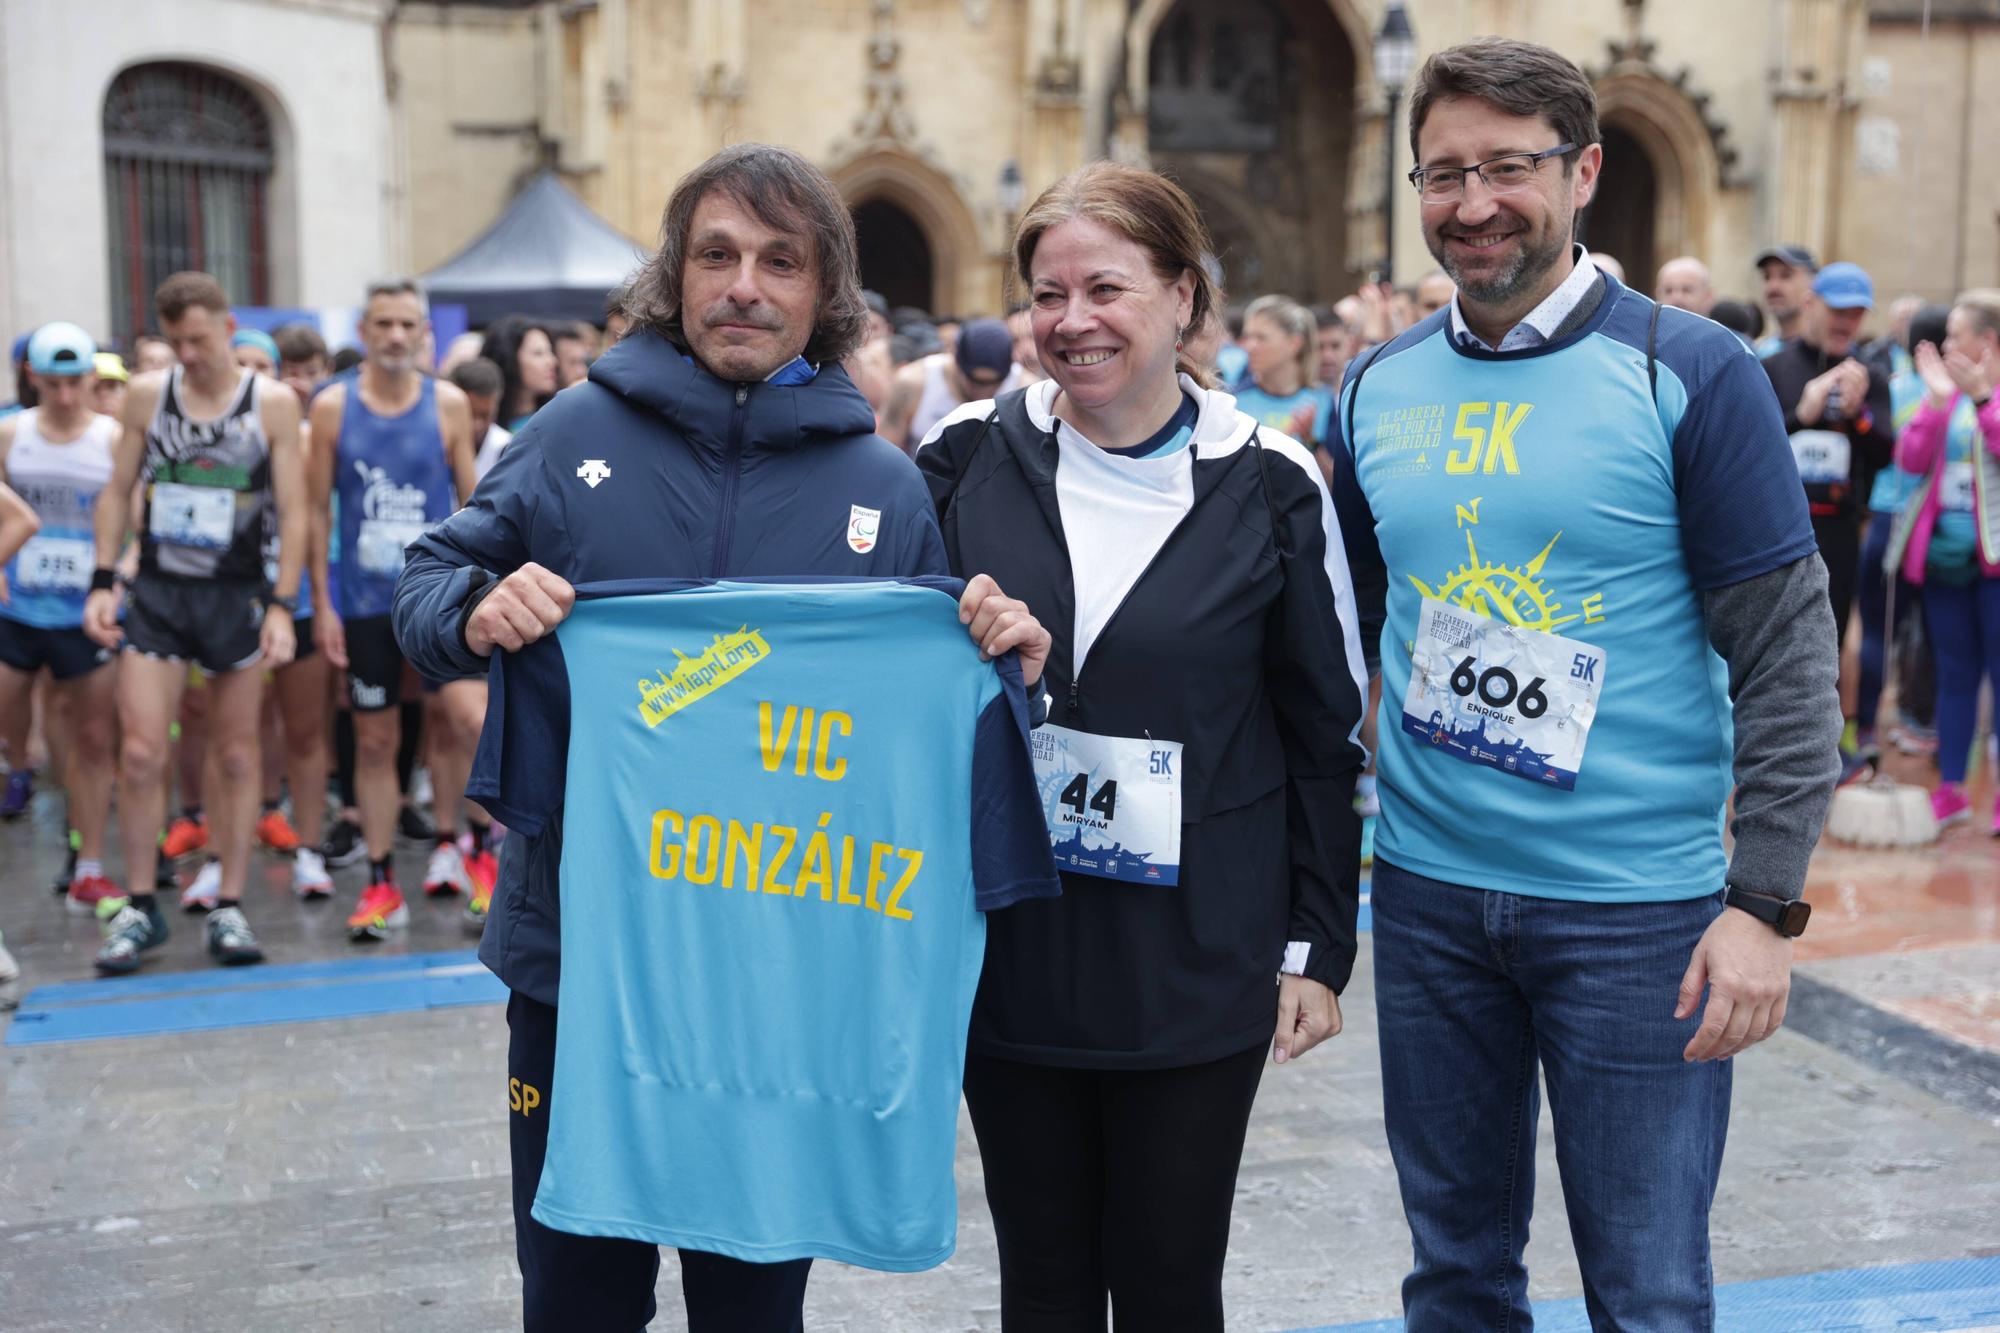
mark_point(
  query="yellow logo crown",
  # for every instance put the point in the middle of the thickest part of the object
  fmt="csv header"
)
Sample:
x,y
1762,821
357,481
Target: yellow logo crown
x,y
726,657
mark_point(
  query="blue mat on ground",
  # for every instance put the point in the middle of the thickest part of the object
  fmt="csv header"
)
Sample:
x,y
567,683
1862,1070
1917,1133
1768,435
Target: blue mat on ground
x,y
249,997
1950,1294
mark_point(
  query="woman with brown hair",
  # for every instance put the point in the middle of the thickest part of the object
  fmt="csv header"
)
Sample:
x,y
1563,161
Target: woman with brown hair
x,y
1196,769
1280,337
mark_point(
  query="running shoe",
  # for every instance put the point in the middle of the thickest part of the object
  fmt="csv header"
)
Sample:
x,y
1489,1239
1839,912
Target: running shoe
x,y
1949,805
163,876
1861,766
1911,739
276,832
84,895
446,872
10,978
68,874
309,877
130,932
20,790
477,907
380,911
184,838
206,891
230,942
344,845
412,824
483,869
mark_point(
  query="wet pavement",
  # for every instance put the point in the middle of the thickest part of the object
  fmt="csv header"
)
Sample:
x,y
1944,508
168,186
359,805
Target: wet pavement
x,y
219,1171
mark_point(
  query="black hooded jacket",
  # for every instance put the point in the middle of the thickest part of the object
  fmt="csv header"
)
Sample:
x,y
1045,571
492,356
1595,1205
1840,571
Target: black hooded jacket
x,y
1240,641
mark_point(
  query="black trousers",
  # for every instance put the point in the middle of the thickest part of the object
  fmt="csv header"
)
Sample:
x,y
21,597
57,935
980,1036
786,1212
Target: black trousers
x,y
1111,1182
599,1283
1839,537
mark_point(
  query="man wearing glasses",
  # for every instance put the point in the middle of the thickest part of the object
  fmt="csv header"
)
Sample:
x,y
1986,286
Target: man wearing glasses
x,y
1574,511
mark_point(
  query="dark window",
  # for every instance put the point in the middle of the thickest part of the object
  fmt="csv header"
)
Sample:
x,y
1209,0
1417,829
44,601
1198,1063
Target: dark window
x,y
1218,77
895,256
187,164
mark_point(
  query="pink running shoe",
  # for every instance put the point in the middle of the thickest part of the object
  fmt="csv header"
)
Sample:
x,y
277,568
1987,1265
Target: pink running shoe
x,y
1949,805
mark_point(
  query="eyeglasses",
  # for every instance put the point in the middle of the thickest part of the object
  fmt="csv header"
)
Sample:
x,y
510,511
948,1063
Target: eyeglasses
x,y
1507,174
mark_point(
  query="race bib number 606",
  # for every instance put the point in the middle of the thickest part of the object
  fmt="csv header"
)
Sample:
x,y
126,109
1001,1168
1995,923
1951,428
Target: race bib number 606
x,y
1500,696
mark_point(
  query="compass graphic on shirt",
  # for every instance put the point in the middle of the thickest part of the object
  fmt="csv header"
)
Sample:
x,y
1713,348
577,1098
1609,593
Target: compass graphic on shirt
x,y
1515,594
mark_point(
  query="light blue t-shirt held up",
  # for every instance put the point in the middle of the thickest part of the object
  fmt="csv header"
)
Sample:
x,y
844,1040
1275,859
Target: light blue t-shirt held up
x,y
784,808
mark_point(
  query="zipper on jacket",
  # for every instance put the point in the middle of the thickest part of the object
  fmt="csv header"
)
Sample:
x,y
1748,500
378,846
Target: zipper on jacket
x,y
732,466
1076,668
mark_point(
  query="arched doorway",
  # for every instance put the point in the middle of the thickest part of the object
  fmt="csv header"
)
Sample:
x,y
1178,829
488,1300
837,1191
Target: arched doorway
x,y
1253,101
1622,221
187,164
895,254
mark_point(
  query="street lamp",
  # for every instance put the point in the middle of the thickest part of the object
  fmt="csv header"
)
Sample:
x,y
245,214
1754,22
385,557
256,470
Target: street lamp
x,y
1009,191
1395,56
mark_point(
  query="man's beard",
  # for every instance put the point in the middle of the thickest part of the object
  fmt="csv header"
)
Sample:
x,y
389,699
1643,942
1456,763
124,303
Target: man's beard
x,y
395,365
1526,269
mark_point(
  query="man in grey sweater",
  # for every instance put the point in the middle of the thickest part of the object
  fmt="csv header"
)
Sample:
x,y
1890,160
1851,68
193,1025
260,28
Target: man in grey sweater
x,y
1581,550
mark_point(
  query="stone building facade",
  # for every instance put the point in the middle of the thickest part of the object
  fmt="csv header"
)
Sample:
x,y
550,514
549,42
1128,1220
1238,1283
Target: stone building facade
x,y
1845,125
389,133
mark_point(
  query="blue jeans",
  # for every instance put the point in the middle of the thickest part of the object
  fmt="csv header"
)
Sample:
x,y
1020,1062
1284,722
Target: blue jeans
x,y
1965,635
1473,989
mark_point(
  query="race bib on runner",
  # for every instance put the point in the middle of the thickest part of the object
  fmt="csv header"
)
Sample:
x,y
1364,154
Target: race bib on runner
x,y
379,546
1113,804
1823,456
1955,487
55,564
1500,696
203,517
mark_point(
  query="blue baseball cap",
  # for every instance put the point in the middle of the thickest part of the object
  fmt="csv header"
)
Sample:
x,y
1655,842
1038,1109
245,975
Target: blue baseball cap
x,y
985,345
258,339
61,349
20,352
1845,286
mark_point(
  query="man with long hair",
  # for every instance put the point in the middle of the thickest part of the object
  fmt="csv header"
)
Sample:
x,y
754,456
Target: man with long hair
x,y
719,438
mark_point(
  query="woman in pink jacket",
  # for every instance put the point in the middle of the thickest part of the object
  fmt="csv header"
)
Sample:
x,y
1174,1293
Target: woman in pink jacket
x,y
1954,547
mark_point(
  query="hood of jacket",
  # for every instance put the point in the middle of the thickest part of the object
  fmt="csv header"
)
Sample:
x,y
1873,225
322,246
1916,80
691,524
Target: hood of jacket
x,y
653,374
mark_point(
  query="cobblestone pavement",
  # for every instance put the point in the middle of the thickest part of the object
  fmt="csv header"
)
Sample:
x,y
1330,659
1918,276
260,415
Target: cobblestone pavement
x,y
352,1174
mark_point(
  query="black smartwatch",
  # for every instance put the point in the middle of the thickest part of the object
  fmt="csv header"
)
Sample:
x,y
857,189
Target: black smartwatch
x,y
1786,916
290,604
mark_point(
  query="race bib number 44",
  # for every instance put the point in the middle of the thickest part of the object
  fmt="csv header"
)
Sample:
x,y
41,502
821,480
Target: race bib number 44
x,y
1113,804
1488,693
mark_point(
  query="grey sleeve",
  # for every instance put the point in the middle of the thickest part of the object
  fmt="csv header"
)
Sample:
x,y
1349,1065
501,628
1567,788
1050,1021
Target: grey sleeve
x,y
1776,633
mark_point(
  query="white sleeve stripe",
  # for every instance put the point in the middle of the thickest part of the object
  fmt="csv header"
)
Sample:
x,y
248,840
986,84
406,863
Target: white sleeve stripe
x,y
978,411
1337,575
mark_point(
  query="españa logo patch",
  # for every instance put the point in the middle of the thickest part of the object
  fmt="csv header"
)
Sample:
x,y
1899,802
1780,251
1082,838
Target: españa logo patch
x,y
862,527
695,678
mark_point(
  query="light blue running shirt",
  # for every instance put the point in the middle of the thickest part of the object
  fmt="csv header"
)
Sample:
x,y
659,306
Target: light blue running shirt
x,y
1275,413
784,807
1895,485
1559,490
